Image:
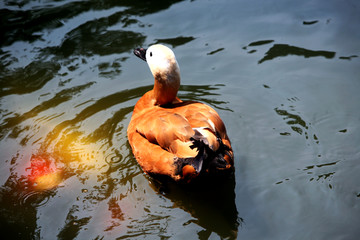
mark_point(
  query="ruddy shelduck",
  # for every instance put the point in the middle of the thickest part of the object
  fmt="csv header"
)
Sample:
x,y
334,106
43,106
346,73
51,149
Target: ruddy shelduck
x,y
183,140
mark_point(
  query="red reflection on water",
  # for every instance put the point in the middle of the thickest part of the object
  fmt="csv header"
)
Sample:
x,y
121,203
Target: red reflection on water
x,y
114,208
117,216
43,172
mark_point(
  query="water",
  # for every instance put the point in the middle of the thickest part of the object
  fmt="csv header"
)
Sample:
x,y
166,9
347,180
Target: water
x,y
284,76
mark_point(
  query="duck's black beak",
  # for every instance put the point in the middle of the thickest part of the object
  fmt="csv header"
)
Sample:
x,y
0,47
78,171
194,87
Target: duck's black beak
x,y
141,53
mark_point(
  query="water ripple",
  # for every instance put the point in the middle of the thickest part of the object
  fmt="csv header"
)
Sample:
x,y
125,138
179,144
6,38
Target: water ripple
x,y
113,158
35,198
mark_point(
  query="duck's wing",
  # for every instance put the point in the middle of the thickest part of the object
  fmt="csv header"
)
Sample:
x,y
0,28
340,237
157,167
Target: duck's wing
x,y
167,129
158,137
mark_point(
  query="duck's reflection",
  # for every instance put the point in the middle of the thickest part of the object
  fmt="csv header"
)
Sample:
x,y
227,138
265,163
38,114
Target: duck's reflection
x,y
211,202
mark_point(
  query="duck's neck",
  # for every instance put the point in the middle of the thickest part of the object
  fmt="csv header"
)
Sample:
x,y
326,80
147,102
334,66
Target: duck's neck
x,y
166,87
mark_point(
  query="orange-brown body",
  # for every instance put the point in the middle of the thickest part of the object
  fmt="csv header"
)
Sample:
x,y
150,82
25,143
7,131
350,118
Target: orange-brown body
x,y
160,135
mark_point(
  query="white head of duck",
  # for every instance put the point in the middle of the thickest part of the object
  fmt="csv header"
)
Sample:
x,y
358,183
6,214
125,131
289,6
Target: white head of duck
x,y
165,69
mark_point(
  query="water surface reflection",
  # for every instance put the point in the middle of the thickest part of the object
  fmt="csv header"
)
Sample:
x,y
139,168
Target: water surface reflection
x,y
69,82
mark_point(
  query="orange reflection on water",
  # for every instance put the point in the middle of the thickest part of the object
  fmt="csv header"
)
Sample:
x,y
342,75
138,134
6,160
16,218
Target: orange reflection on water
x,y
67,151
43,173
49,180
77,153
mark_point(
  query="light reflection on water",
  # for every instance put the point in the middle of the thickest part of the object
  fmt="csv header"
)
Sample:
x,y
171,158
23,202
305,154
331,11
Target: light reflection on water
x,y
284,77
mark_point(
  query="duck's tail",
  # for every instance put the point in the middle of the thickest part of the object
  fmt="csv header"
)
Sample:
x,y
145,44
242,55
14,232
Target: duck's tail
x,y
208,161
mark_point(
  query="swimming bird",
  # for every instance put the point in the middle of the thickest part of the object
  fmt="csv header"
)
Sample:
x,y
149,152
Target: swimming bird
x,y
183,140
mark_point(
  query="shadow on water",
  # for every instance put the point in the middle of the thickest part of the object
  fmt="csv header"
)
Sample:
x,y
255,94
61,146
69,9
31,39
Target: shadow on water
x,y
283,50
211,203
174,42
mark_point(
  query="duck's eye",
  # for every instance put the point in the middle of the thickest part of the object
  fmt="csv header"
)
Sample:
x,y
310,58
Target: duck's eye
x,y
150,54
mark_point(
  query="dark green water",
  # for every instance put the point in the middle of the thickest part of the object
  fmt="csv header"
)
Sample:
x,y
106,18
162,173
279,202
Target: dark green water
x,y
283,75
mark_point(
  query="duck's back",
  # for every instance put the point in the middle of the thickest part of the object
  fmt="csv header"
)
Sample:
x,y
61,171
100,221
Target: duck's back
x,y
166,139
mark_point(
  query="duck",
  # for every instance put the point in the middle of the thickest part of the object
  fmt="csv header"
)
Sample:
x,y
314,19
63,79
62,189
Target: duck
x,y
171,138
